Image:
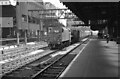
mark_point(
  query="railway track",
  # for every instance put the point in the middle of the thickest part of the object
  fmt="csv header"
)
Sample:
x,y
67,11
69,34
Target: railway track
x,y
13,58
47,67
54,69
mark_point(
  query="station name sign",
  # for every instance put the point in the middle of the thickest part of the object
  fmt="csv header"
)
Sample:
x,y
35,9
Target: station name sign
x,y
8,2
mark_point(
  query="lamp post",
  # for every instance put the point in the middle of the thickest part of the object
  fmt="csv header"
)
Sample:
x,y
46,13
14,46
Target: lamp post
x,y
17,22
26,31
17,8
41,26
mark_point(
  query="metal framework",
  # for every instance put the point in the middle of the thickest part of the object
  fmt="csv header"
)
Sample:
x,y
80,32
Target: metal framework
x,y
54,14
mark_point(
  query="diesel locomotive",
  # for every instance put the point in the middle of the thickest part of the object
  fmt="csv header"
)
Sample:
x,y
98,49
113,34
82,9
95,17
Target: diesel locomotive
x,y
58,36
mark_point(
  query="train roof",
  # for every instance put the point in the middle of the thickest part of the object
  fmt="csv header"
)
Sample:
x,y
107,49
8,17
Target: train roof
x,y
53,23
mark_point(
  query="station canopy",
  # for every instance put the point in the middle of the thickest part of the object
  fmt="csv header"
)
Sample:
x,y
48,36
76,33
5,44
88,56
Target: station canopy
x,y
95,10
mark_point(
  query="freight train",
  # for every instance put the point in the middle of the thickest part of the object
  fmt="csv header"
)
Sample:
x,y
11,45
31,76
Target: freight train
x,y
58,36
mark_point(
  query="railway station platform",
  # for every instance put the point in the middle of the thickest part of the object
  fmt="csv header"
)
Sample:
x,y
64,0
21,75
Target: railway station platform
x,y
98,59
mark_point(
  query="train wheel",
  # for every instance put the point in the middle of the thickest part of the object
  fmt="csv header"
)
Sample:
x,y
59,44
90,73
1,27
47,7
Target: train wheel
x,y
68,43
60,46
57,46
49,45
54,46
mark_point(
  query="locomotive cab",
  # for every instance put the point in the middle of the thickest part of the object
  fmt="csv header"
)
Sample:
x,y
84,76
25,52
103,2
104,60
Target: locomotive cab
x,y
58,36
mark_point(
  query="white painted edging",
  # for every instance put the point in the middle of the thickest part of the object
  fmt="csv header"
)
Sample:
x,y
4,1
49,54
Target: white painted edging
x,y
66,70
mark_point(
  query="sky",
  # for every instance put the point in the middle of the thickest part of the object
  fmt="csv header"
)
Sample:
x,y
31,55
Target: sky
x,y
56,3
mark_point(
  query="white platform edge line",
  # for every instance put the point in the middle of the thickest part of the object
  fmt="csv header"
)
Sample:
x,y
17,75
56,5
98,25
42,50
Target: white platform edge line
x,y
65,71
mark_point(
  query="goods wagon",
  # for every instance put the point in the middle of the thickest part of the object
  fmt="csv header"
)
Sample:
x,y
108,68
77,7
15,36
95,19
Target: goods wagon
x,y
75,36
79,33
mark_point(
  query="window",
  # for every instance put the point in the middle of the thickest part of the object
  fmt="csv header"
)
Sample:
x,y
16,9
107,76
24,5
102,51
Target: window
x,y
50,29
29,19
24,18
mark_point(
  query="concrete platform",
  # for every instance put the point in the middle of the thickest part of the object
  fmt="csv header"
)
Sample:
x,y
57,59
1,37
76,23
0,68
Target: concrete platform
x,y
96,59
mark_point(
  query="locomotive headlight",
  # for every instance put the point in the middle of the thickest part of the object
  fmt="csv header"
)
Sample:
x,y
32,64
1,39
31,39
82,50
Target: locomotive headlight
x,y
45,33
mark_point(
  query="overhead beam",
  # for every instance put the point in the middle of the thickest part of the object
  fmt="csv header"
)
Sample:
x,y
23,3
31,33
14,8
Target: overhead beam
x,y
51,14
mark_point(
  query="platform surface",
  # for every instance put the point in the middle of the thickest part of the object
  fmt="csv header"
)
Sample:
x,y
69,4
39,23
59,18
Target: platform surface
x,y
98,59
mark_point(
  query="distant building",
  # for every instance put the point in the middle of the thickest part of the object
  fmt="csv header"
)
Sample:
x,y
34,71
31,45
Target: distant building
x,y
19,17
